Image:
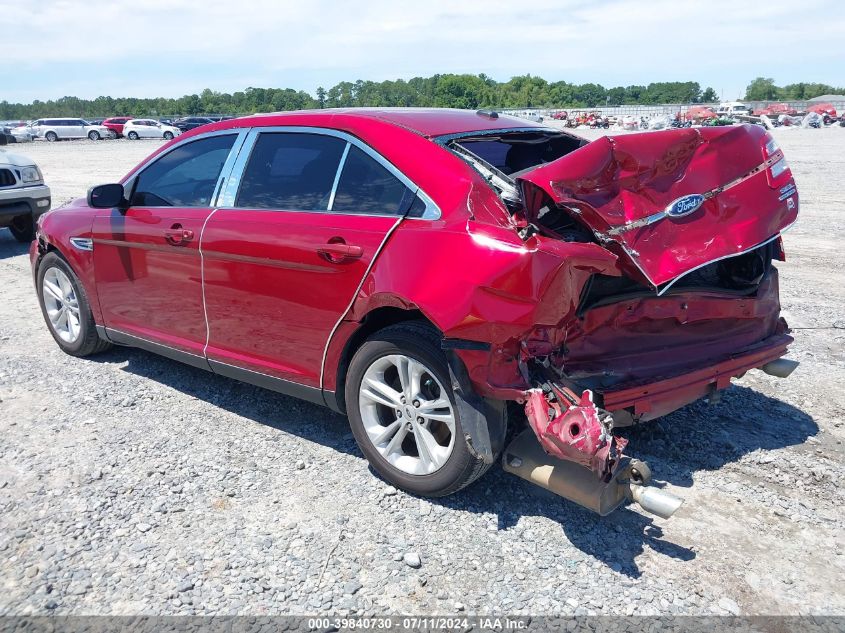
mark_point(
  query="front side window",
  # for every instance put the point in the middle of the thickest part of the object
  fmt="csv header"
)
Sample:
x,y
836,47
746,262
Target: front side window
x,y
185,176
365,186
290,171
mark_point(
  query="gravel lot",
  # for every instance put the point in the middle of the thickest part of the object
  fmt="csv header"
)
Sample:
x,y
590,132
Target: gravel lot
x,y
131,484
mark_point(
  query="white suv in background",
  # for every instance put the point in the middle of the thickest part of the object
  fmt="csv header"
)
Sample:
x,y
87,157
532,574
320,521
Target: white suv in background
x,y
58,129
149,128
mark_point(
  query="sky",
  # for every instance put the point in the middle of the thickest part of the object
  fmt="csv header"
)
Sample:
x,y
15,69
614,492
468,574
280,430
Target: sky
x,y
169,48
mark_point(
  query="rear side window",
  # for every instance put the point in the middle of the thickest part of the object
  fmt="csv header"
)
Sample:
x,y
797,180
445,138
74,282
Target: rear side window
x,y
184,177
365,186
290,171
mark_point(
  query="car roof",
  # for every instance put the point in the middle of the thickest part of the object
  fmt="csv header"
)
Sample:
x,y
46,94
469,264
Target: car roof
x,y
428,122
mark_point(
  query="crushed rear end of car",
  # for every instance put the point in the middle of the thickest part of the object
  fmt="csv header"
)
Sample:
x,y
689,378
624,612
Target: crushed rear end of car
x,y
651,269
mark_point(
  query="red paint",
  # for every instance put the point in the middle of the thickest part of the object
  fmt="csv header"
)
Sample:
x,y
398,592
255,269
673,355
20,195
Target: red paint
x,y
617,180
273,302
115,124
574,433
149,284
775,109
276,283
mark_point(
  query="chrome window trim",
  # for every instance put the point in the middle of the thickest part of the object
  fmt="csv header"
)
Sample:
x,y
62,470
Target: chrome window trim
x,y
337,174
240,136
432,211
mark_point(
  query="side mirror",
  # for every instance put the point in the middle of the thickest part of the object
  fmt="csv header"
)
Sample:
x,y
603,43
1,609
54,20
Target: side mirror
x,y
107,197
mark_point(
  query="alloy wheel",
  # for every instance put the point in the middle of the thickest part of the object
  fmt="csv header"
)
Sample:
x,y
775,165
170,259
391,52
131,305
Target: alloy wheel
x,y
61,304
407,414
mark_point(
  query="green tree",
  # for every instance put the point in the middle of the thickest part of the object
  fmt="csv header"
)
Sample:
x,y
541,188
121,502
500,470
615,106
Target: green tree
x,y
761,89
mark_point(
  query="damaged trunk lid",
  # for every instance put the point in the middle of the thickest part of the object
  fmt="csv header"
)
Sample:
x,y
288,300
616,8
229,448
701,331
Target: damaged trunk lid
x,y
672,201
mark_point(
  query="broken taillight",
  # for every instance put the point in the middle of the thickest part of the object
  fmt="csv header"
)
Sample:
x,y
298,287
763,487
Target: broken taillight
x,y
778,172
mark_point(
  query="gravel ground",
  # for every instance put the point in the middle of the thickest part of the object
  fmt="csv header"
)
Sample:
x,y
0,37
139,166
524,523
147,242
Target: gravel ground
x,y
131,484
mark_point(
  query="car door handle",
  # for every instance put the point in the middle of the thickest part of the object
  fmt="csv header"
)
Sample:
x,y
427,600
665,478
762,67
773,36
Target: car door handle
x,y
337,252
177,235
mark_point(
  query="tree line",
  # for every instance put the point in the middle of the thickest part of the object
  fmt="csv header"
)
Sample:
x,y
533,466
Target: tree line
x,y
446,91
764,89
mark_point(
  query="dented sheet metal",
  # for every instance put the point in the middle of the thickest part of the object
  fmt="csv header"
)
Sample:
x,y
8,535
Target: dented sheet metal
x,y
576,433
669,202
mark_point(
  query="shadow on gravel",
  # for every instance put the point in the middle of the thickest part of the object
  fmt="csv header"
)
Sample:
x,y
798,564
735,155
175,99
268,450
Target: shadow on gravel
x,y
698,437
9,246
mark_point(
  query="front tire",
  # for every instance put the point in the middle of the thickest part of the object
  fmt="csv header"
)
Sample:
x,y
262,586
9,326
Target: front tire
x,y
403,413
168,136
94,135
51,136
66,309
133,136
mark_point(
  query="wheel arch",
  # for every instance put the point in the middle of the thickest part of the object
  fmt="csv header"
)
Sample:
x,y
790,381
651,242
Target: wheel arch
x,y
81,266
484,420
375,320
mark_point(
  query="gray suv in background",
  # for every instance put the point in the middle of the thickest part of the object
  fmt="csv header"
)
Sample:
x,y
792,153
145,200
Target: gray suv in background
x,y
23,195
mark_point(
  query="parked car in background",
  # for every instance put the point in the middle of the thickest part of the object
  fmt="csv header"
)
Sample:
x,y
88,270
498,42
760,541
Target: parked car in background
x,y
6,136
23,133
95,121
314,253
191,122
23,195
776,109
732,109
148,128
61,129
115,124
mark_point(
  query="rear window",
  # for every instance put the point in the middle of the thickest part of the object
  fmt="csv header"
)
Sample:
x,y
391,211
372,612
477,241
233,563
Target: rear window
x,y
512,152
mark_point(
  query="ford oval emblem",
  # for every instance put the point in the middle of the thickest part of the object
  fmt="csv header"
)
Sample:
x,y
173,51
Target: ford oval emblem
x,y
685,205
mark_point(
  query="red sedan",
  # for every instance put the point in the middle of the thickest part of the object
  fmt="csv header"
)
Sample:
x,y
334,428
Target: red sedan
x,y
116,123
418,270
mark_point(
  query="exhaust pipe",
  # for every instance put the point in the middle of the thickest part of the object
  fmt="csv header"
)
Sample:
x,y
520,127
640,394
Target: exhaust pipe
x,y
654,500
525,458
781,368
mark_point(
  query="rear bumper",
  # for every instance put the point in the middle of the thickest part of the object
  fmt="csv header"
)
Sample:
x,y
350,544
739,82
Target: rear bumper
x,y
657,398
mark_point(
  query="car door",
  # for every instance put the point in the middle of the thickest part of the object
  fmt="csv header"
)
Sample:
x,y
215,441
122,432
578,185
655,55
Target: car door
x,y
73,128
147,263
287,251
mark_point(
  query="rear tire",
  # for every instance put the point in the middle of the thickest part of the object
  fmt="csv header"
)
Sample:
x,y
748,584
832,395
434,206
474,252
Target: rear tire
x,y
132,136
23,228
51,136
87,341
406,465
